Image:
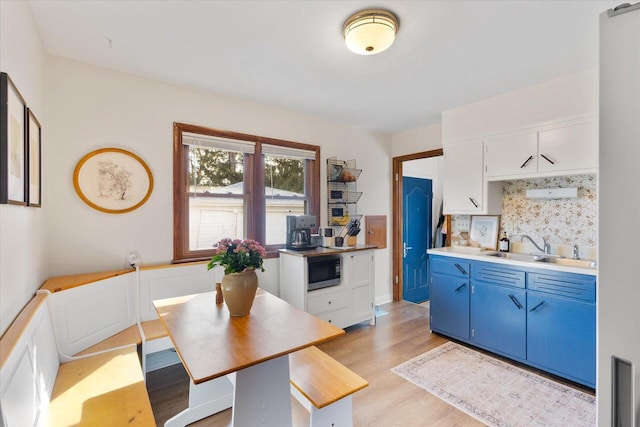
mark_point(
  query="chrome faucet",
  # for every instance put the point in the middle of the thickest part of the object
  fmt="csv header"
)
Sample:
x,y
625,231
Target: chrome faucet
x,y
576,252
546,246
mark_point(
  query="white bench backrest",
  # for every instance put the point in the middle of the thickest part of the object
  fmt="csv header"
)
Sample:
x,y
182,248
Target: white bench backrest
x,y
85,315
171,282
28,376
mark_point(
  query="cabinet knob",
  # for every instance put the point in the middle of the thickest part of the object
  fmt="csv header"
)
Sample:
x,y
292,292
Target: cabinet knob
x,y
329,302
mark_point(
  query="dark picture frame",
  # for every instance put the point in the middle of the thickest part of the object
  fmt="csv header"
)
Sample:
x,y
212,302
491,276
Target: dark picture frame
x,y
34,160
13,147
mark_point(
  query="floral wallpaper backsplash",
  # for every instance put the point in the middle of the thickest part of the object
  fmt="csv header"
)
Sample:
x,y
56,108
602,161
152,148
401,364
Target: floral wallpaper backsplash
x,y
563,222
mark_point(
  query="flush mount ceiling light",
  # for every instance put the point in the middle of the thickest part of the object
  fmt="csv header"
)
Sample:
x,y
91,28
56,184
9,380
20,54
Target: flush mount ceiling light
x,y
370,31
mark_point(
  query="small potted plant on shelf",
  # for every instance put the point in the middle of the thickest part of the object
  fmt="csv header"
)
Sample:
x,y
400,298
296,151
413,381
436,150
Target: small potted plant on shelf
x,y
240,259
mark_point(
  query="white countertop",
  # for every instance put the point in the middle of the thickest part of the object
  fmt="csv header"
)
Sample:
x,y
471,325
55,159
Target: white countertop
x,y
478,255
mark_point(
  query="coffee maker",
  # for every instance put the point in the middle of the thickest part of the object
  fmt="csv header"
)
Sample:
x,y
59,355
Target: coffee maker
x,y
299,232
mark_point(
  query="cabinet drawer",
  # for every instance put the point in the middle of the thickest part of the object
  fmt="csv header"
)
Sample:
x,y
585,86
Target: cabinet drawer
x,y
336,317
326,302
499,275
566,284
452,267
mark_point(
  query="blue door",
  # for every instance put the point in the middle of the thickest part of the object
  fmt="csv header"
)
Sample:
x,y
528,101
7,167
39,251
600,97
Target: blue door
x,y
416,237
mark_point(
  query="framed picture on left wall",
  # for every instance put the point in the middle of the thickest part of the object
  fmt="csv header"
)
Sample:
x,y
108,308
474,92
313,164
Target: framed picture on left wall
x,y
34,156
13,111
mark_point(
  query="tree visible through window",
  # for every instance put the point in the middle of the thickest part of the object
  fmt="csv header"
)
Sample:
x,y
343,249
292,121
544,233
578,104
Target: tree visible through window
x,y
238,186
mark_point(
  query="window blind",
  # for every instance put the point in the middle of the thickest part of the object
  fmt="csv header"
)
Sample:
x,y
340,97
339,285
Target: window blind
x,y
217,143
288,152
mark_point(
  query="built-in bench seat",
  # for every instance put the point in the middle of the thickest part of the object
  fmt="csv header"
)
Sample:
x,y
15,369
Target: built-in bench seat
x,y
95,313
36,389
152,329
324,387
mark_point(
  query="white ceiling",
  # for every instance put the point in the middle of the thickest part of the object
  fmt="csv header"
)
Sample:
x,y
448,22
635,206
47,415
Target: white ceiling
x,y
291,54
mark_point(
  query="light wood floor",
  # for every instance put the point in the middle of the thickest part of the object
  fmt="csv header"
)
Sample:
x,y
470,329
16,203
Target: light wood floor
x,y
371,351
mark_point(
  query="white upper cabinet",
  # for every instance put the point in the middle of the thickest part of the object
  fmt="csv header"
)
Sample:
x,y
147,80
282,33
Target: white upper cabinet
x,y
465,191
463,178
560,150
569,149
515,155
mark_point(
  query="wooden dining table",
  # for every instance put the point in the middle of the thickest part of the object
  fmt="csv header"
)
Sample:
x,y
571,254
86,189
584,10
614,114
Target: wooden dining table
x,y
239,362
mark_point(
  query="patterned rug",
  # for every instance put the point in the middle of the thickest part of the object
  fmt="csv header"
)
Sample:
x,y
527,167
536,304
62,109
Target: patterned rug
x,y
495,392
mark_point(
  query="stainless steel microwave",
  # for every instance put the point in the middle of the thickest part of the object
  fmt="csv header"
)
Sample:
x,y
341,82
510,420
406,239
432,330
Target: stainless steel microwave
x,y
323,271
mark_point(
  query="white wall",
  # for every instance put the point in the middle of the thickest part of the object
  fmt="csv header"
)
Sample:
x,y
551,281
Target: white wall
x,y
23,235
93,107
417,140
571,96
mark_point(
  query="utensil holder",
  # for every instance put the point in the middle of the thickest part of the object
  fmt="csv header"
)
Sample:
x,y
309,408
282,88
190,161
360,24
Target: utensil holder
x,y
351,240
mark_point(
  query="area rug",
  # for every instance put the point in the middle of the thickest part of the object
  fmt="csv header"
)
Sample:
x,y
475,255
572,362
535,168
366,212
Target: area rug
x,y
495,392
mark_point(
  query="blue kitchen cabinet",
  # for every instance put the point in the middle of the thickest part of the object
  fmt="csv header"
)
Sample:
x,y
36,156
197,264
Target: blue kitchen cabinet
x,y
498,319
561,325
450,297
543,318
498,309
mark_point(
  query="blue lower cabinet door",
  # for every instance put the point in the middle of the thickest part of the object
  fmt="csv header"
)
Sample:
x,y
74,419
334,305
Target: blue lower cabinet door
x,y
561,336
449,306
498,319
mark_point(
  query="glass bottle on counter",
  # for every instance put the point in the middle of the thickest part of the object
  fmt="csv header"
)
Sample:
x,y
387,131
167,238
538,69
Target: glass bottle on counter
x,y
504,243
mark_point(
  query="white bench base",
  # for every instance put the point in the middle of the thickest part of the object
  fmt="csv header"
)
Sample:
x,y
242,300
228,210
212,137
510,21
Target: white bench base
x,y
338,414
205,399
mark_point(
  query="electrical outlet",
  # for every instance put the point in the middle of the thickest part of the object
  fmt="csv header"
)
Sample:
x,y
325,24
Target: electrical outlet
x,y
463,224
507,225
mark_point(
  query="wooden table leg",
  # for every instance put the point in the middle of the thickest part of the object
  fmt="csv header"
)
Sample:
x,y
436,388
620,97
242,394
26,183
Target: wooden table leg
x,y
262,395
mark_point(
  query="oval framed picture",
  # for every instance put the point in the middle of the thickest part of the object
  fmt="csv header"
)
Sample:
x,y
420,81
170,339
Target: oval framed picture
x,y
113,180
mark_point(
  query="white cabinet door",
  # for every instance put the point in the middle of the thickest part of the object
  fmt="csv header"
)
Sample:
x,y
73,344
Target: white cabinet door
x,y
359,268
463,178
514,155
569,148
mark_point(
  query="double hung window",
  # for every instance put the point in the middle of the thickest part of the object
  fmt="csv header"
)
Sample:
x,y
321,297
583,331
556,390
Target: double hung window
x,y
240,186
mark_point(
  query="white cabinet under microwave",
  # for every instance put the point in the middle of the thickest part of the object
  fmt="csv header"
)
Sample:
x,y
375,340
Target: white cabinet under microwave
x,y
345,304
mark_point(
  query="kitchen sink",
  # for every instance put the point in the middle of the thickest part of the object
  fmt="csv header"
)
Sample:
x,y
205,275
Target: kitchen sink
x,y
550,259
518,257
568,262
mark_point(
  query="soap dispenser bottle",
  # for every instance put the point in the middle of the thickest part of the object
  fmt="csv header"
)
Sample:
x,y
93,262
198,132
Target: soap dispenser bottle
x,y
504,243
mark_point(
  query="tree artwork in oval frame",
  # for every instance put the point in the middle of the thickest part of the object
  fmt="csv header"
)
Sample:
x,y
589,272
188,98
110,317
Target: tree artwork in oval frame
x,y
113,180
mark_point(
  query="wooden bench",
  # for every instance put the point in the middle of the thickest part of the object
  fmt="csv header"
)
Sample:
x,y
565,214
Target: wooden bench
x,y
324,387
37,390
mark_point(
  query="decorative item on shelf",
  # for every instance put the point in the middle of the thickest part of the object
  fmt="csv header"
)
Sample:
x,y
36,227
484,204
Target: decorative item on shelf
x,y
484,231
342,195
240,259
